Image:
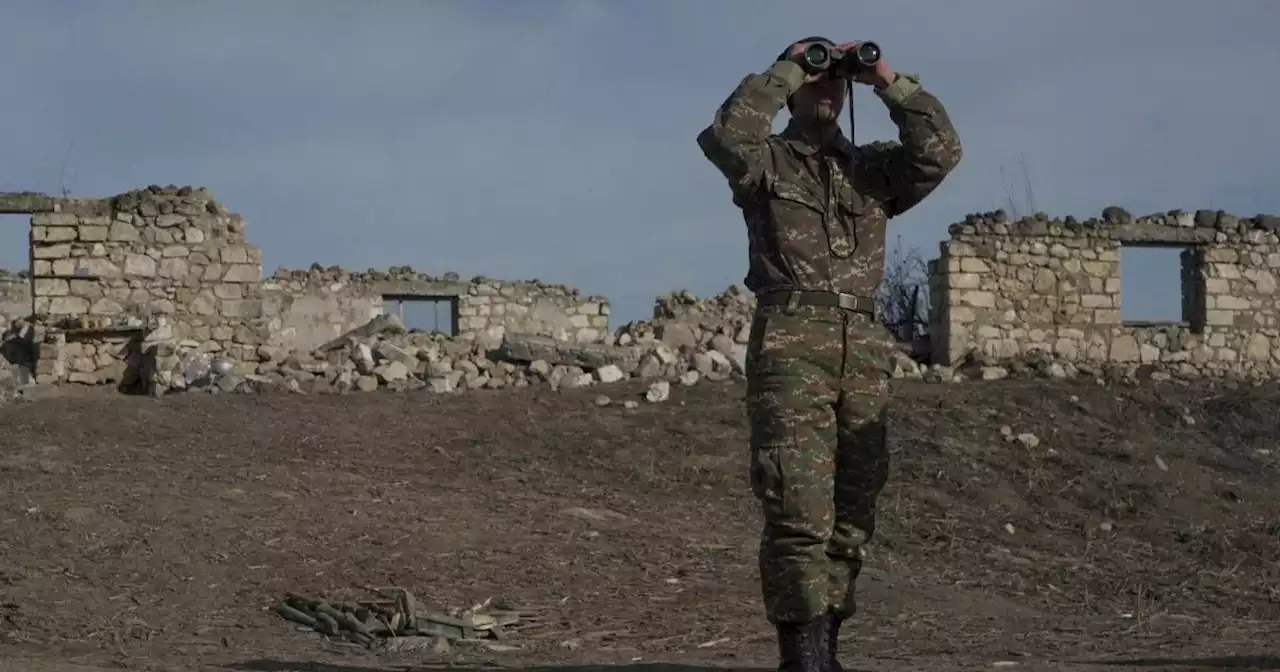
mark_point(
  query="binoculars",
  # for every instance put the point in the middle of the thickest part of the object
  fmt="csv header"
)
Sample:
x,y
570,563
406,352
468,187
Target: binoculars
x,y
820,58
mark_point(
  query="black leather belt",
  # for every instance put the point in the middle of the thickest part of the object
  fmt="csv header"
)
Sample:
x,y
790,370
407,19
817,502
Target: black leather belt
x,y
857,304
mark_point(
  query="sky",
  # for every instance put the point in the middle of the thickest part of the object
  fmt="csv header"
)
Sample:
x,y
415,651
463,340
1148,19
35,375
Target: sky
x,y
554,139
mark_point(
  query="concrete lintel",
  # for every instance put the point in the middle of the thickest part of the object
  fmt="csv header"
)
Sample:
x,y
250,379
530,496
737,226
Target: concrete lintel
x,y
420,288
26,203
31,203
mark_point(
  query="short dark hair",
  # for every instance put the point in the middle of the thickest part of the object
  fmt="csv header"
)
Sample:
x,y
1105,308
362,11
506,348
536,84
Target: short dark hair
x,y
815,38
785,52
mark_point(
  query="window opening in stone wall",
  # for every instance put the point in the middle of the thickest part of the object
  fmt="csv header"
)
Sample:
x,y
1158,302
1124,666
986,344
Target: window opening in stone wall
x,y
1158,285
15,243
15,293
424,313
15,268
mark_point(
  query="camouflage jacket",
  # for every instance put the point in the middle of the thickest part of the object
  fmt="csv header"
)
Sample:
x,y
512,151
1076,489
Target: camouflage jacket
x,y
808,226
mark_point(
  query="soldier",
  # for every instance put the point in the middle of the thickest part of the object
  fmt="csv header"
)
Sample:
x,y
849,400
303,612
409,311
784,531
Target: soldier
x,y
818,361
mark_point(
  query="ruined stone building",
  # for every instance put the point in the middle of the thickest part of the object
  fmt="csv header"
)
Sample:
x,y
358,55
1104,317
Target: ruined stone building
x,y
172,265
1004,289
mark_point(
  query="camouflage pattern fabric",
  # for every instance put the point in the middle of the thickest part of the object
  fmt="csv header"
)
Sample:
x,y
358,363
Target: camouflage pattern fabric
x,y
810,227
818,377
817,399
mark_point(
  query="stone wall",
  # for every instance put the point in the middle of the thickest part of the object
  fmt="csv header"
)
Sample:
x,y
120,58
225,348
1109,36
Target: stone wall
x,y
1037,287
154,265
319,304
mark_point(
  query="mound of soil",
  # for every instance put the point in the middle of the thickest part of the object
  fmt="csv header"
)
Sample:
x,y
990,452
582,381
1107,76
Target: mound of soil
x,y
1036,523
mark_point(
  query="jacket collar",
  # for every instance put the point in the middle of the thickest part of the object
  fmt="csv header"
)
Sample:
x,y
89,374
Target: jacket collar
x,y
807,141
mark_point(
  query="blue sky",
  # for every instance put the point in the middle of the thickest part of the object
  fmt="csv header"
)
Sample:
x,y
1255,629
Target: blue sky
x,y
555,139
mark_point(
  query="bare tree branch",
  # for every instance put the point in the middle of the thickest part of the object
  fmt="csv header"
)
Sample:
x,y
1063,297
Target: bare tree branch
x,y
63,188
902,298
1028,205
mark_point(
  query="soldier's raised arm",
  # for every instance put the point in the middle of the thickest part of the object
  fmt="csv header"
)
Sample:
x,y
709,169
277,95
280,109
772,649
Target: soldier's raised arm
x,y
735,141
928,147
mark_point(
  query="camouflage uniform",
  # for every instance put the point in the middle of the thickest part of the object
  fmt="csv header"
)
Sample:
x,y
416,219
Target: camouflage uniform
x,y
818,362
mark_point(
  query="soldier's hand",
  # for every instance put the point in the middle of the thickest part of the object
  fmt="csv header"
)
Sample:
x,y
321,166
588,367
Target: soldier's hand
x,y
881,76
796,55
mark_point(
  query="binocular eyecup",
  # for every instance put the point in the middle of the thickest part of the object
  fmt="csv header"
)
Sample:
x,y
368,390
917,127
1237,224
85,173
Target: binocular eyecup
x,y
822,58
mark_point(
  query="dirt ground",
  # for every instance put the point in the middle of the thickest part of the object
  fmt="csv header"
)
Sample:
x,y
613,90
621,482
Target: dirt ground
x,y
1140,529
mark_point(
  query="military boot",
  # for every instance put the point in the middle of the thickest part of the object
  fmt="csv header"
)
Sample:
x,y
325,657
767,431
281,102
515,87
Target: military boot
x,y
799,646
829,644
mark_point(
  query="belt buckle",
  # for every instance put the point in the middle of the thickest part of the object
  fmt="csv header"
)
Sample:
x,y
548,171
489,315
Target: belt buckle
x,y
856,304
867,306
793,302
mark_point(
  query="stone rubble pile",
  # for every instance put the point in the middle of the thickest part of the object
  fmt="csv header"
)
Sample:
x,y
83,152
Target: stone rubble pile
x,y
687,341
386,357
1040,365
708,330
383,355
691,341
733,304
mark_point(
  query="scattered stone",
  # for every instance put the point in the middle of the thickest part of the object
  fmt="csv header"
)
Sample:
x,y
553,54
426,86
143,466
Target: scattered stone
x,y
1114,214
994,373
391,372
658,392
610,373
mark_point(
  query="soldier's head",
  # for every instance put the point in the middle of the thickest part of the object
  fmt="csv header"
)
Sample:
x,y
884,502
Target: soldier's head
x,y
818,102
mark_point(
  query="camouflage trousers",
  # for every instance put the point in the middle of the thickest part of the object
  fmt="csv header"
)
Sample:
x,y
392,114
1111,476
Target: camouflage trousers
x,y
817,399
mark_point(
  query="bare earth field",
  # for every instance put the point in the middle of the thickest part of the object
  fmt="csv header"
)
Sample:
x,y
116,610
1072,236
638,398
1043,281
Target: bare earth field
x,y
1139,531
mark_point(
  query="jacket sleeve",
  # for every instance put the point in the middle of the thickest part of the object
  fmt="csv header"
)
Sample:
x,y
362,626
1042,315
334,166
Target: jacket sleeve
x,y
735,142
928,147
